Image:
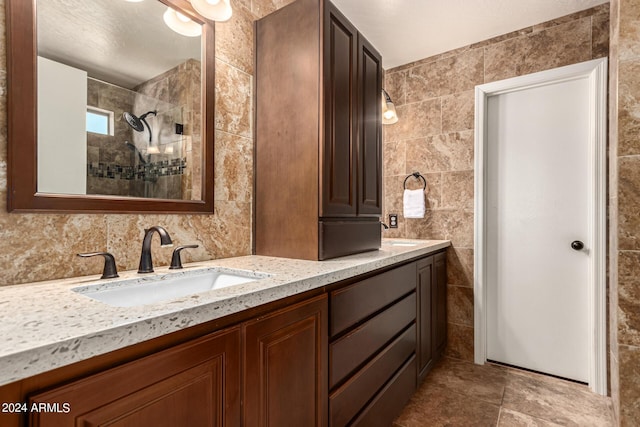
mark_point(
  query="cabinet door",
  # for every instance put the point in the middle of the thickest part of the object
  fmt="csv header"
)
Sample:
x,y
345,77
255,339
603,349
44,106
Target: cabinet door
x,y
339,158
285,364
193,384
369,129
440,303
425,322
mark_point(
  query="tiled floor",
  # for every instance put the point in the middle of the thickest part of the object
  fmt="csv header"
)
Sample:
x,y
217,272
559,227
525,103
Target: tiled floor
x,y
458,393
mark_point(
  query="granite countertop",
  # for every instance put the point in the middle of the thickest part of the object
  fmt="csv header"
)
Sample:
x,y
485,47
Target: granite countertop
x,y
45,325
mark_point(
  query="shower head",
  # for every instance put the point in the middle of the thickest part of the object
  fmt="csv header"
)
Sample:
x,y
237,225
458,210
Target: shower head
x,y
136,123
153,112
133,121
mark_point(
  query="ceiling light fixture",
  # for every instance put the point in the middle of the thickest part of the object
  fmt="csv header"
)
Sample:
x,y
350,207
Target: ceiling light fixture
x,y
216,10
181,24
389,115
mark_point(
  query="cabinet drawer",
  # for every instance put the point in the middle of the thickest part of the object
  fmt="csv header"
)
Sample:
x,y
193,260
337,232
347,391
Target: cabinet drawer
x,y
192,384
350,351
389,402
349,399
354,303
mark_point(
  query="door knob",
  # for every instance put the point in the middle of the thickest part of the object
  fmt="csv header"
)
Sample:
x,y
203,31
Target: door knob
x,y
577,245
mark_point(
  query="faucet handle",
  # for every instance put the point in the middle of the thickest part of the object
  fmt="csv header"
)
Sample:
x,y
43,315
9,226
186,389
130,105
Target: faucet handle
x,y
176,262
109,271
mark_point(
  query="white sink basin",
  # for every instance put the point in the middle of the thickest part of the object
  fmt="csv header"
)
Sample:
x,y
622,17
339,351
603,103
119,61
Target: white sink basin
x,y
152,289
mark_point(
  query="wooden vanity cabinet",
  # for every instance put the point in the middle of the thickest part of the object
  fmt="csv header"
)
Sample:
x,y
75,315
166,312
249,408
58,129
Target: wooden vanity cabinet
x,y
285,366
432,312
275,364
372,361
193,384
318,145
347,354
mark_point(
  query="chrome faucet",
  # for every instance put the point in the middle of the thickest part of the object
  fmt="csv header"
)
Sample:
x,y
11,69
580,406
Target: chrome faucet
x,y
146,265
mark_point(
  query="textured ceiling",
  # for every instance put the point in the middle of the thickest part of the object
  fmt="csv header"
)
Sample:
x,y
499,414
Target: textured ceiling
x,y
128,43
408,30
113,40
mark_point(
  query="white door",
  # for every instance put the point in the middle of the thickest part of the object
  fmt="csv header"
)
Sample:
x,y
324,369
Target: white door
x,y
537,205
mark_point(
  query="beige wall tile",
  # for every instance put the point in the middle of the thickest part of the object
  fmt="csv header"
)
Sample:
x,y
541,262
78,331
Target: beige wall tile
x,y
457,190
628,324
629,27
233,112
460,305
395,85
432,226
454,225
629,366
600,35
446,152
246,4
445,76
418,119
423,81
549,48
393,194
458,112
614,380
629,266
233,168
460,267
629,203
234,40
460,228
262,8
434,190
36,247
394,158
459,341
463,72
629,108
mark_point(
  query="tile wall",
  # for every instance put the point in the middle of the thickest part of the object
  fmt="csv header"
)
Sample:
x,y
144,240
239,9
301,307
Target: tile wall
x,y
434,98
624,174
40,246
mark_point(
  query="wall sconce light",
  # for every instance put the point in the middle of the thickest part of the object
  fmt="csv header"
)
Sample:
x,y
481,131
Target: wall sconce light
x,y
216,10
181,24
389,115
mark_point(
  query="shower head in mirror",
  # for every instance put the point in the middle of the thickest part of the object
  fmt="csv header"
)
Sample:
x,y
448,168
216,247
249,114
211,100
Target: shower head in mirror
x,y
136,122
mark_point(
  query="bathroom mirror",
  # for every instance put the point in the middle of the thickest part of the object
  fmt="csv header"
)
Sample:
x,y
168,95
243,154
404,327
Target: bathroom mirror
x,y
109,109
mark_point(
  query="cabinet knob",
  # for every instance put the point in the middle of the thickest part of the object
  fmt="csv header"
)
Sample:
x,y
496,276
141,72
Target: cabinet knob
x,y
577,245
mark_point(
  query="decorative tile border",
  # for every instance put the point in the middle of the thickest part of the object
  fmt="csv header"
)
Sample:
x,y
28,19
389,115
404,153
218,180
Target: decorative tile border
x,y
142,172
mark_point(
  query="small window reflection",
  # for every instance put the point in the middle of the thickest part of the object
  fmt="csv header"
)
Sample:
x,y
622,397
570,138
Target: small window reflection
x,y
99,121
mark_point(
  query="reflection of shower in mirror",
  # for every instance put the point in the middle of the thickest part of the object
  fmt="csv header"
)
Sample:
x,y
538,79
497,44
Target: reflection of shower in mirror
x,y
133,148
136,123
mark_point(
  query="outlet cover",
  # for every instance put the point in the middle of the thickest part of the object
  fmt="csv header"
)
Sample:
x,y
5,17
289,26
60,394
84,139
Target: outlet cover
x,y
393,220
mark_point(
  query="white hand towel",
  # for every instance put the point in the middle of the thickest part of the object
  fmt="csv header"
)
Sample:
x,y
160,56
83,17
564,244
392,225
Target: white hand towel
x,y
413,203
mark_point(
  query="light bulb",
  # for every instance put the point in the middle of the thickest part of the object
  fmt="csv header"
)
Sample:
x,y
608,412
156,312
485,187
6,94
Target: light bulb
x,y
182,17
216,10
181,24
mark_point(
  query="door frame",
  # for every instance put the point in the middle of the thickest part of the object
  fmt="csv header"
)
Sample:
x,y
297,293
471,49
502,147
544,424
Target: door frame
x,y
596,73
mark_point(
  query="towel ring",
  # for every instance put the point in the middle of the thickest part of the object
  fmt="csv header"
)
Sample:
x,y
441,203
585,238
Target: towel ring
x,y
417,176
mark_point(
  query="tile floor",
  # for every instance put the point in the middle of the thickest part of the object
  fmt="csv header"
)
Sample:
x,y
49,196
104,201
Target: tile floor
x,y
458,393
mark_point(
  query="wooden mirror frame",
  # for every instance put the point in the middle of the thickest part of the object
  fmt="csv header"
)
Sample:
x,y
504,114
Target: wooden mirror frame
x,y
22,123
